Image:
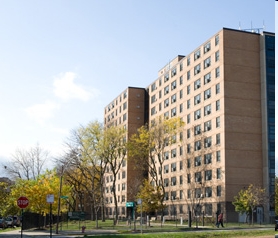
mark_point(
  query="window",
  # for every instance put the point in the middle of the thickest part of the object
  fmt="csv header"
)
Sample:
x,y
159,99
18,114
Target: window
x,y
173,72
166,77
181,150
188,133
166,196
188,178
207,110
207,142
123,198
181,197
153,87
207,94
188,103
197,99
124,117
188,75
181,66
181,136
217,105
207,47
197,161
181,165
218,173
188,163
188,61
217,88
188,119
197,84
188,89
160,81
173,112
181,80
173,153
153,99
217,122
218,156
160,94
159,106
166,115
188,148
166,155
216,39
217,72
208,175
218,191
166,102
123,186
124,106
197,145
166,90
181,179
207,125
181,93
197,130
181,108
197,54
125,94
207,158
197,69
218,139
173,98
173,85
166,182
217,56
208,192
197,114
153,111
198,177
173,181
207,78
166,169
207,62
123,174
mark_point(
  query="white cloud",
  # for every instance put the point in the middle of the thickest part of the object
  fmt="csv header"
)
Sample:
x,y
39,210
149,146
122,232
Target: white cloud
x,y
41,112
66,88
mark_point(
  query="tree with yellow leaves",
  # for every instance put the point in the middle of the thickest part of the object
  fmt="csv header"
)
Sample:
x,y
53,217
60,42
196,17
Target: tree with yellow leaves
x,y
248,199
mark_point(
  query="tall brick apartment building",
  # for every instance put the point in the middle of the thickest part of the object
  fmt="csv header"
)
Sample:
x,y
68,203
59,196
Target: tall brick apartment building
x,y
224,90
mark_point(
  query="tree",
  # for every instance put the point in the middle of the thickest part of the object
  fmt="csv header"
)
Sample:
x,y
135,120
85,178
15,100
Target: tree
x,y
150,197
36,191
202,181
27,164
248,199
148,149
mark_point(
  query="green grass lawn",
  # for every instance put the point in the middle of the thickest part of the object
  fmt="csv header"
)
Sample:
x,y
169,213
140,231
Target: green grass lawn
x,y
169,229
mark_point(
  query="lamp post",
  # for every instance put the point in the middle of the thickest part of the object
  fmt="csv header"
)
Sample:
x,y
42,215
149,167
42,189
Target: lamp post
x,y
59,197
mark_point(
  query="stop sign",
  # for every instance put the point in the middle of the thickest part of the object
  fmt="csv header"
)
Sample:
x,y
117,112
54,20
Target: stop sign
x,y
22,202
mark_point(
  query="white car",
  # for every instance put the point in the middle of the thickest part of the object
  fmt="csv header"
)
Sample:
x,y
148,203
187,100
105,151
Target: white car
x,y
10,222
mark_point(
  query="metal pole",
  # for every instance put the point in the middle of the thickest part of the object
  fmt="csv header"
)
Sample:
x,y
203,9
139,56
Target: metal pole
x,y
21,221
59,202
50,219
141,218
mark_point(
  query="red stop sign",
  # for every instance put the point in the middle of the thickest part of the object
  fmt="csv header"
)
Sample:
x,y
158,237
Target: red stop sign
x,y
22,202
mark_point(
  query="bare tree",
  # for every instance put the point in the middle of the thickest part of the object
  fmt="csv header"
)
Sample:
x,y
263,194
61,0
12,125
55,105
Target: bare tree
x,y
27,164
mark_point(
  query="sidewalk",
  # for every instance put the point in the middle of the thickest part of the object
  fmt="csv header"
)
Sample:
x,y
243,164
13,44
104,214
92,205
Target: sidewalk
x,y
46,233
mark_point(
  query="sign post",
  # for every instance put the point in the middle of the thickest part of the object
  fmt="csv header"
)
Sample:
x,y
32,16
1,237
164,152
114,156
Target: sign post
x,y
50,200
22,202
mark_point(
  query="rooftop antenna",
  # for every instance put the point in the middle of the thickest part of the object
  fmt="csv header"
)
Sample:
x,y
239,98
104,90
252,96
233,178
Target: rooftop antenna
x,y
239,27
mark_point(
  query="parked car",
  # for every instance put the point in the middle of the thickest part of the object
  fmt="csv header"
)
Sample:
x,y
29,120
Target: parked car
x,y
276,225
9,221
17,221
3,223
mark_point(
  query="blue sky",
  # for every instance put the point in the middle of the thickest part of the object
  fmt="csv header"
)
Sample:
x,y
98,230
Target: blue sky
x,y
63,61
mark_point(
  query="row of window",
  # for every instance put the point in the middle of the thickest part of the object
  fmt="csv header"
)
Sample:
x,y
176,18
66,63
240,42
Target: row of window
x,y
196,193
197,55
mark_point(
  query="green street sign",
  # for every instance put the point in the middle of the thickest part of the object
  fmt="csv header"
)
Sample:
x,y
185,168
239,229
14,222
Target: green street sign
x,y
64,197
130,204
